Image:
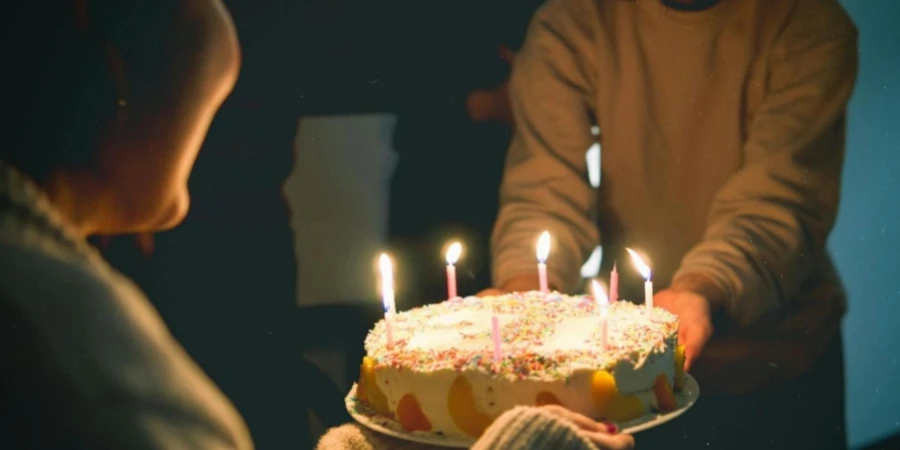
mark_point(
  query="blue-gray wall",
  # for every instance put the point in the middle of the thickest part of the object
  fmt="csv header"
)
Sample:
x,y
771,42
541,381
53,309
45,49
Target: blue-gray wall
x,y
866,242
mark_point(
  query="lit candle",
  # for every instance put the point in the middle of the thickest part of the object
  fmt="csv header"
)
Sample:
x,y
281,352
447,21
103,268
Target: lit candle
x,y
543,251
644,269
614,284
603,305
453,253
495,335
387,294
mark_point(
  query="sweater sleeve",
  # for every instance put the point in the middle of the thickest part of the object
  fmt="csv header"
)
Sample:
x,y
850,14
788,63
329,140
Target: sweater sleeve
x,y
768,225
545,184
524,427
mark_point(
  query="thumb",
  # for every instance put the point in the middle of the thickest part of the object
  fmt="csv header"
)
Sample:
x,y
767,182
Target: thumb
x,y
694,338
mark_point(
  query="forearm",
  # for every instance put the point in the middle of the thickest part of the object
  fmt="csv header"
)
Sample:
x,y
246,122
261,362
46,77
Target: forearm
x,y
764,240
768,225
545,185
514,249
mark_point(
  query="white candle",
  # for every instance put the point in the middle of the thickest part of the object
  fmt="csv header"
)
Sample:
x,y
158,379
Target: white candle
x,y
386,268
453,253
543,252
602,302
644,269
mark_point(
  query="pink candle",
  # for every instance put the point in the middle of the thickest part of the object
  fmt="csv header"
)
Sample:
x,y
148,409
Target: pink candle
x,y
495,334
453,253
451,281
614,285
543,252
542,277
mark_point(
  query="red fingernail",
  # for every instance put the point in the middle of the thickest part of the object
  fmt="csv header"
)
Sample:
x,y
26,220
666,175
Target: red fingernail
x,y
611,428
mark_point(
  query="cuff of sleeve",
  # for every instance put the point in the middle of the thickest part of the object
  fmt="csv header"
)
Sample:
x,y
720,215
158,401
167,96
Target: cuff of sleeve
x,y
718,283
528,427
701,283
510,264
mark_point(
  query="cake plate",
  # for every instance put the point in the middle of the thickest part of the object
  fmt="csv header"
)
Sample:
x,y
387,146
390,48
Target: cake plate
x,y
384,425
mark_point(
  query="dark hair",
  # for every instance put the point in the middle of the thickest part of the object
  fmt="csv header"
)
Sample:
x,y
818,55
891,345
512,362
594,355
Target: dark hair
x,y
57,93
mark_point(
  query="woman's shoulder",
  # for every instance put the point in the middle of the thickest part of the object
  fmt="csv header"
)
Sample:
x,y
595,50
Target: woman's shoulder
x,y
84,338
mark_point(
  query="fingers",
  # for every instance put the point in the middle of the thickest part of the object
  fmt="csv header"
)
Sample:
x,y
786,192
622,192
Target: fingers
x,y
600,434
581,421
694,337
605,441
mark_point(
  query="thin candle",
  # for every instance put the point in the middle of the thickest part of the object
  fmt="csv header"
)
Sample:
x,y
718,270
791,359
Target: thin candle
x,y
386,268
453,253
543,252
614,284
602,302
644,269
495,336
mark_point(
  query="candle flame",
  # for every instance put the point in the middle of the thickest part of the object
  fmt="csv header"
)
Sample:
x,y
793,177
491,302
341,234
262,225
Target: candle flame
x,y
386,268
639,263
599,295
543,247
453,252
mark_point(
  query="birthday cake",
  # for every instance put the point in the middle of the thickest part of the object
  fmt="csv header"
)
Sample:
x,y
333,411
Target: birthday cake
x,y
444,372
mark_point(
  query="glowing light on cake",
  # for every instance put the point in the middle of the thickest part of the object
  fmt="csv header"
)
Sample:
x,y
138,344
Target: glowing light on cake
x,y
644,269
543,252
453,253
386,269
603,305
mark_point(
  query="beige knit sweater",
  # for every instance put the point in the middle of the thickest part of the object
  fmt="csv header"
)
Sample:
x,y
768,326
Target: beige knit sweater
x,y
521,427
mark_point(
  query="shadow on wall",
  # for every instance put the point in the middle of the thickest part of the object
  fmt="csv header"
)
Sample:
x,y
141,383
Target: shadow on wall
x,y
867,237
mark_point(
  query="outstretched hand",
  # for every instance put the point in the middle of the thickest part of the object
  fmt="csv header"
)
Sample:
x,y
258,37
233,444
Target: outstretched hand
x,y
602,435
694,317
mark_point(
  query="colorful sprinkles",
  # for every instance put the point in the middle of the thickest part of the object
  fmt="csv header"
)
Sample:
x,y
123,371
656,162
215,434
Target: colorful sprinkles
x,y
533,317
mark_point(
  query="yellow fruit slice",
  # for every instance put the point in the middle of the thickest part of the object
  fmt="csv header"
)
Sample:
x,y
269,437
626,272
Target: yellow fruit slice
x,y
461,405
610,403
367,389
410,415
546,398
665,398
679,367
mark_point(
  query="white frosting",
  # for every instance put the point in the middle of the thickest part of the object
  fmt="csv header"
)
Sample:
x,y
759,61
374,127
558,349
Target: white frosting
x,y
550,344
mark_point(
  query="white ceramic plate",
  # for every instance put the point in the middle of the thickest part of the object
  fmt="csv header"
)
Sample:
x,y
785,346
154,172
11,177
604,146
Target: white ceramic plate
x,y
686,398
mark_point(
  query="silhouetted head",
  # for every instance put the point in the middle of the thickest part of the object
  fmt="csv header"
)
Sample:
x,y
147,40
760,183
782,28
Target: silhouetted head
x,y
106,103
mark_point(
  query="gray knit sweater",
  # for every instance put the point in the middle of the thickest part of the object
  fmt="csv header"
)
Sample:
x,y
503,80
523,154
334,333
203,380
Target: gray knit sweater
x,y
87,362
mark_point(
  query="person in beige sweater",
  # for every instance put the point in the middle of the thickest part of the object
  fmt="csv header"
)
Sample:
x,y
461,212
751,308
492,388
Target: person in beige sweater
x,y
722,128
